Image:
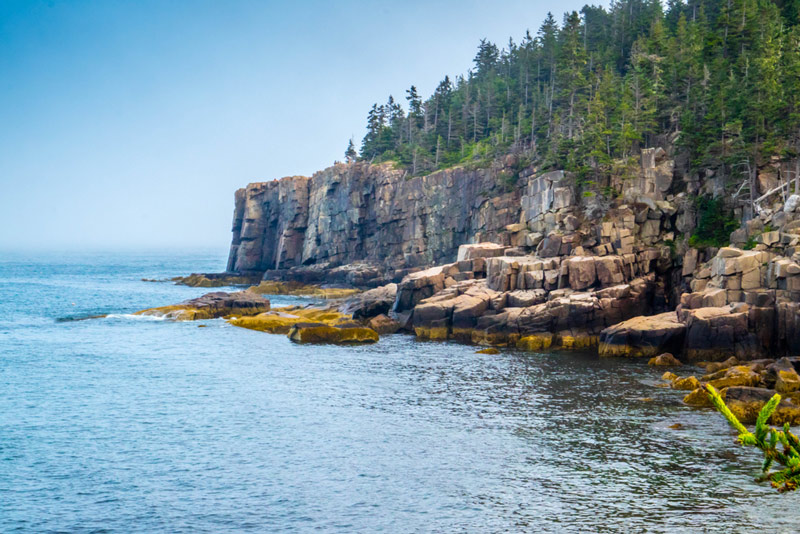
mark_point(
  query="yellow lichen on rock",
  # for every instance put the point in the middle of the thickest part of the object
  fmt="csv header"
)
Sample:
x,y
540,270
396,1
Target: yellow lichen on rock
x,y
582,342
433,333
689,383
536,342
271,287
323,333
699,398
281,320
211,306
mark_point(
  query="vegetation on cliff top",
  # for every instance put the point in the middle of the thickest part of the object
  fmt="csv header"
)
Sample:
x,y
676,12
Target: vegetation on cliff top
x,y
587,94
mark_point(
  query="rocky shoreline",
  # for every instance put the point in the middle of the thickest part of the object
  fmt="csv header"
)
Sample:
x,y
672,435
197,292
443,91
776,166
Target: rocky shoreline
x,y
548,263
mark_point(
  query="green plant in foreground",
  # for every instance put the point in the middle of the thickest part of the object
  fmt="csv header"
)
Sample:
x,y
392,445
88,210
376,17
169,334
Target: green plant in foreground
x,y
767,439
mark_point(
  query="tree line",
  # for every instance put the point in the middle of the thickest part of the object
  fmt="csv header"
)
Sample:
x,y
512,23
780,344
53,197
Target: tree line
x,y
720,76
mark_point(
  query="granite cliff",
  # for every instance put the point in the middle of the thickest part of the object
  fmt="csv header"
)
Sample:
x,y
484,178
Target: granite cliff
x,y
508,255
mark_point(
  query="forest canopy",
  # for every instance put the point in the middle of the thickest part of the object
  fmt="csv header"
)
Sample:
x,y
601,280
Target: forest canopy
x,y
720,78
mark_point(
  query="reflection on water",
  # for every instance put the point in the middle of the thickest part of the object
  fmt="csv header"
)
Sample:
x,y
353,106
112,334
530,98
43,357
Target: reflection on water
x,y
141,426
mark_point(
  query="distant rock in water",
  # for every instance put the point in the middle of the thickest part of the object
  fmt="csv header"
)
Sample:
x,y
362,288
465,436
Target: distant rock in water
x,y
212,306
213,280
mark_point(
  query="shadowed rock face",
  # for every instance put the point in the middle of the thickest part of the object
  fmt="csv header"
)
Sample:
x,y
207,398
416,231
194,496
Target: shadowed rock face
x,y
358,212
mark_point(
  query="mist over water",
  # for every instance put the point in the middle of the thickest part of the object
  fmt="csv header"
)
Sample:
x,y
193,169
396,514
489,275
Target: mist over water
x,y
118,424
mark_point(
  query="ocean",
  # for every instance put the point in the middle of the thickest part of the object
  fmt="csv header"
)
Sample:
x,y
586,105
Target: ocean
x,y
128,424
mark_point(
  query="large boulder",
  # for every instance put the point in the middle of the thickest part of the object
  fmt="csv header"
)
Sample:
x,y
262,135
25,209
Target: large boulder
x,y
212,306
323,333
643,336
746,403
371,303
717,333
480,250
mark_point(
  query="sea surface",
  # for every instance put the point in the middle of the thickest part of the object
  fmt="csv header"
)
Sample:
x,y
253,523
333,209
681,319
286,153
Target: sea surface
x,y
126,424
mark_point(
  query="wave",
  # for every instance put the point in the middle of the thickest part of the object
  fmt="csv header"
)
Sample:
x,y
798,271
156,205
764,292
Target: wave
x,y
135,317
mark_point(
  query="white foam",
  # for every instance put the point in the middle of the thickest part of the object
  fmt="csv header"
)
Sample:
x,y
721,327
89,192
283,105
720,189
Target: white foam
x,y
136,317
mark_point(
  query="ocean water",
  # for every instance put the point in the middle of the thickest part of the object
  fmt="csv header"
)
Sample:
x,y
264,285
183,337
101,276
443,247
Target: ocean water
x,y
126,425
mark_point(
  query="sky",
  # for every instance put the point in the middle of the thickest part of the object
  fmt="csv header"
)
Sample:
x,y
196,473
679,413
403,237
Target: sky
x,y
130,124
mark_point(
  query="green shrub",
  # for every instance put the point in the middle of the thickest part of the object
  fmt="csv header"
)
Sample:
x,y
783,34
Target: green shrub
x,y
767,439
714,225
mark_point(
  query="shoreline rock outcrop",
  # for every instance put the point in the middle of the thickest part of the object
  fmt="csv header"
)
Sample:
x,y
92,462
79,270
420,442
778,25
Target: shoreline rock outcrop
x,y
212,306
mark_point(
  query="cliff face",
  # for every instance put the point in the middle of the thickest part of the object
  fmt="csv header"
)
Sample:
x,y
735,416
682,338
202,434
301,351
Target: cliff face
x,y
361,213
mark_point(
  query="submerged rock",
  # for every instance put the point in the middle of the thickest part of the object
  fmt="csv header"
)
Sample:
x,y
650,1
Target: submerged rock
x,y
212,306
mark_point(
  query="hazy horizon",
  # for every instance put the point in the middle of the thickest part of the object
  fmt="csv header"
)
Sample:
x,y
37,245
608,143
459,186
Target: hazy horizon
x,y
130,125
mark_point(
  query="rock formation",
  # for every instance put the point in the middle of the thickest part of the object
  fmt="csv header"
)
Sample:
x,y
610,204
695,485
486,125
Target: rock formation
x,y
508,255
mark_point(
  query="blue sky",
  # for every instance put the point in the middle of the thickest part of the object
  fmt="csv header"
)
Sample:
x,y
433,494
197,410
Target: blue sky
x,y
129,124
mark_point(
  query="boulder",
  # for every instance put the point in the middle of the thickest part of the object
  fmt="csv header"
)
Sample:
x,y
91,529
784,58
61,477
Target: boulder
x,y
643,336
787,382
746,403
212,306
383,324
740,375
281,320
378,301
689,383
713,367
582,272
323,333
698,398
665,359
480,250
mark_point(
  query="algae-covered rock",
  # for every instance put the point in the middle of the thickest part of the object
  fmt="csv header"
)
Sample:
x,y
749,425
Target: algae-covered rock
x,y
746,403
212,306
665,359
740,375
712,367
490,350
686,384
323,333
272,287
215,280
669,376
643,336
699,398
281,320
787,382
536,342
